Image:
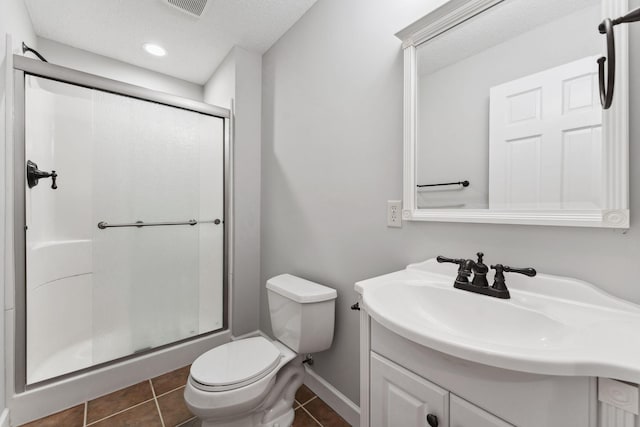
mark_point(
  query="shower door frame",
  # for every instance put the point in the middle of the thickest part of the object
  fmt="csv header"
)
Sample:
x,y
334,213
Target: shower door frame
x,y
22,67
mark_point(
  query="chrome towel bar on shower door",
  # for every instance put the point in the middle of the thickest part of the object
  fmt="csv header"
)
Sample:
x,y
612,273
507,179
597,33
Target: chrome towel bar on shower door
x,y
103,224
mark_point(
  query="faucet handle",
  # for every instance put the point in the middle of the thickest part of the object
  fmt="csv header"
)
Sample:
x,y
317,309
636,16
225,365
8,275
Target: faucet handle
x,y
465,267
34,175
531,272
442,259
499,282
54,177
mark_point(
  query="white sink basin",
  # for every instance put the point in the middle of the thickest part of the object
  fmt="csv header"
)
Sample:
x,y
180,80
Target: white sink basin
x,y
453,312
551,325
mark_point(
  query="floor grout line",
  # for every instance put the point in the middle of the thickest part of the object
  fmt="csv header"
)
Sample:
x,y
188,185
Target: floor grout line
x,y
312,417
170,391
155,399
153,389
302,404
119,412
185,422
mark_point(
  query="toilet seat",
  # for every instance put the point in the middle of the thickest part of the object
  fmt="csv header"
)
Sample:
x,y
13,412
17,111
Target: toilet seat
x,y
235,364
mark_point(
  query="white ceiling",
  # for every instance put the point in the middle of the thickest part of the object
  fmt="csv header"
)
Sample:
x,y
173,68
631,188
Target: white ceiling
x,y
195,46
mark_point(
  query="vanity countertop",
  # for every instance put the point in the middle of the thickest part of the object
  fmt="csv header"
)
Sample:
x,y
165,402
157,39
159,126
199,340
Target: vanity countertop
x,y
552,325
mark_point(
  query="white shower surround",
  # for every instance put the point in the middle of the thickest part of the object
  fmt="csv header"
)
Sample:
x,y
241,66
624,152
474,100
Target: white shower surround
x,y
65,281
38,401
98,295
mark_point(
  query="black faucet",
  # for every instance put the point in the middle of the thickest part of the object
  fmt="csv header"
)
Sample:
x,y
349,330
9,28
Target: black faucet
x,y
479,284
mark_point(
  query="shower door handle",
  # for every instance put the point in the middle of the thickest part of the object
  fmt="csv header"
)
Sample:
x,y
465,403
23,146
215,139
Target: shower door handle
x,y
34,175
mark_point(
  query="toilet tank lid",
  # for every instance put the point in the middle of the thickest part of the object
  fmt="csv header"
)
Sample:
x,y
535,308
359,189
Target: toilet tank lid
x,y
300,290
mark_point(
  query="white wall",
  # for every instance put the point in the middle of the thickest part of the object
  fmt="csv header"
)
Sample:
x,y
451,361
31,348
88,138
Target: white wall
x,y
78,59
220,89
239,78
14,20
332,157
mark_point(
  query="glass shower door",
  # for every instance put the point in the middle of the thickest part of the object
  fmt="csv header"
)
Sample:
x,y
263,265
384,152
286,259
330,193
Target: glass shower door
x,y
95,294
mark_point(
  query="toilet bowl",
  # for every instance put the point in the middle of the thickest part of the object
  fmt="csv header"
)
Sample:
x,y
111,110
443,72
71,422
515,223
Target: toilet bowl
x,y
252,382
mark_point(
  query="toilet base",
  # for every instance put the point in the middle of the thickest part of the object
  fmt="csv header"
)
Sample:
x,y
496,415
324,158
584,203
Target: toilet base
x,y
284,420
266,403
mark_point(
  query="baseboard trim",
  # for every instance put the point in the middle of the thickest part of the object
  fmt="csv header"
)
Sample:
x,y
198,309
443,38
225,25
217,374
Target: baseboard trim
x,y
333,397
322,388
4,418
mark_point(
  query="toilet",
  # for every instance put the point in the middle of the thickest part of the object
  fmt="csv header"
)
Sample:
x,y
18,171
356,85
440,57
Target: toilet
x,y
252,382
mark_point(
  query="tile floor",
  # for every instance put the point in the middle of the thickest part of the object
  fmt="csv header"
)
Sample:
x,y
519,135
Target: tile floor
x,y
311,411
158,402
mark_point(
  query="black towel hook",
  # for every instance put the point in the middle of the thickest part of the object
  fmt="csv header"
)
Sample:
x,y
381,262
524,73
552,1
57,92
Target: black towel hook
x,y
606,27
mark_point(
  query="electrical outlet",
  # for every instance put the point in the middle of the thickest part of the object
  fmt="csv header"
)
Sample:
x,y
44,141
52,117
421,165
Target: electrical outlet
x,y
394,213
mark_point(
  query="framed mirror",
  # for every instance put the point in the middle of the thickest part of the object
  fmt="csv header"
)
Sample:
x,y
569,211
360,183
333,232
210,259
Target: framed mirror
x,y
502,115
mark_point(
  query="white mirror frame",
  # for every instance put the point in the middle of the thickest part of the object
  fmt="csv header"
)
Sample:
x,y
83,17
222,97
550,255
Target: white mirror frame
x,y
615,213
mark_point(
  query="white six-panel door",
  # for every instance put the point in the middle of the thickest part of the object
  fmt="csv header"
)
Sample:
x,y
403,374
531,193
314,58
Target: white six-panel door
x,y
545,149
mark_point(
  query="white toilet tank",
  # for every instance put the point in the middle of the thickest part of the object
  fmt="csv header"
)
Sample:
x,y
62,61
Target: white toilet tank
x,y
302,313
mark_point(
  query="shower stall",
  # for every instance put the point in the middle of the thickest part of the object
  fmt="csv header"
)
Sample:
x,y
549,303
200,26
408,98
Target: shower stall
x,y
120,207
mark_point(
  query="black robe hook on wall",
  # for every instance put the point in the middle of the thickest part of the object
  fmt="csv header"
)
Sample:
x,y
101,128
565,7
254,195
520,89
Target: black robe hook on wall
x,y
606,27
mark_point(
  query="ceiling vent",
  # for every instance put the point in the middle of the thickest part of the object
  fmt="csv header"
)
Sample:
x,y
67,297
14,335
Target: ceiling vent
x,y
192,7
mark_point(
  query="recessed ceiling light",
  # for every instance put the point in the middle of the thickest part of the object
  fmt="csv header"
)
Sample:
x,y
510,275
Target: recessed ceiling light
x,y
154,49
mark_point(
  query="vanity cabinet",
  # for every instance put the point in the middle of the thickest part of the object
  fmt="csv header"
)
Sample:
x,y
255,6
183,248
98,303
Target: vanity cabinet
x,y
403,382
518,399
402,398
465,414
558,353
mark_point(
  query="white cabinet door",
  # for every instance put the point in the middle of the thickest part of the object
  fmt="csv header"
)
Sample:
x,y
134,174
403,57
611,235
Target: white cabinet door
x,y
464,414
401,398
545,148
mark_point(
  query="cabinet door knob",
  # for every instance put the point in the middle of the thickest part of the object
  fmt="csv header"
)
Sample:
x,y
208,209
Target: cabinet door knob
x,y
432,420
